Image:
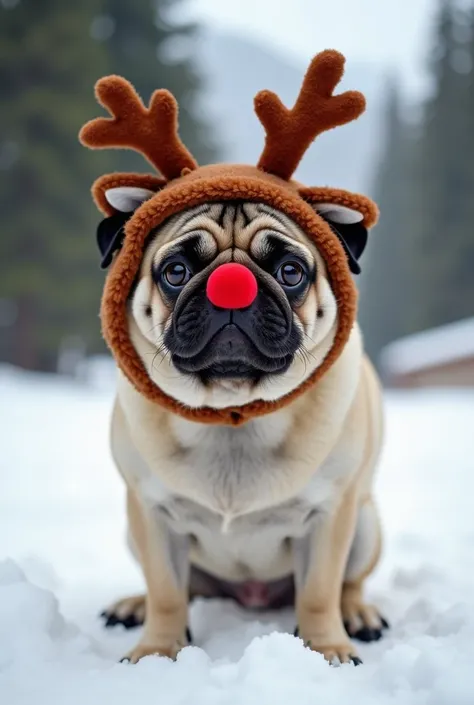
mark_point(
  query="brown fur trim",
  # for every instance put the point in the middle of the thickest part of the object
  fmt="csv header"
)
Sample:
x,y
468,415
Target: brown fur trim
x,y
356,202
216,184
289,133
104,183
152,131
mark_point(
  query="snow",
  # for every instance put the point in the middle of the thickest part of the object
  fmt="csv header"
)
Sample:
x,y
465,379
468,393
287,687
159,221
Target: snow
x,y
430,348
62,528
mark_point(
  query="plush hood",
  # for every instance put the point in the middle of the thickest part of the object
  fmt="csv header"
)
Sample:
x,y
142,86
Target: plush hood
x,y
183,184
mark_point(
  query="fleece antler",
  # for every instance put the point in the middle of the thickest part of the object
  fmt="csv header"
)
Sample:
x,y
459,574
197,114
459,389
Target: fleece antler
x,y
290,132
152,131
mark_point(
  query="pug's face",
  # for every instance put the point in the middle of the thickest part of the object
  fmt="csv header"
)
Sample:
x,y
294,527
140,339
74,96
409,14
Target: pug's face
x,y
201,354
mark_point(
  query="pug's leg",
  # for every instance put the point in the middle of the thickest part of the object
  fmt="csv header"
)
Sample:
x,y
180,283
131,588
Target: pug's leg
x,y
362,621
164,560
129,612
320,561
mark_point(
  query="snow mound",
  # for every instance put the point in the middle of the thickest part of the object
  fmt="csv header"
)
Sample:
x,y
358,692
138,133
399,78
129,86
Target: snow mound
x,y
45,660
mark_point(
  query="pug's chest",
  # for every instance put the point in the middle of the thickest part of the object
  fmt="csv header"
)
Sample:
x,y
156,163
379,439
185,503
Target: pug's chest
x,y
250,546
239,529
285,520
236,483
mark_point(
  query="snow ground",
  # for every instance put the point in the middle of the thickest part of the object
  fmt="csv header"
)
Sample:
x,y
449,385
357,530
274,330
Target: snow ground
x,y
62,526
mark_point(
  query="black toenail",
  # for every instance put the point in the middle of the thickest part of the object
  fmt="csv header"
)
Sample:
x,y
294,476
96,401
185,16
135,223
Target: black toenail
x,y
367,634
385,624
356,660
130,622
112,620
296,632
364,634
189,635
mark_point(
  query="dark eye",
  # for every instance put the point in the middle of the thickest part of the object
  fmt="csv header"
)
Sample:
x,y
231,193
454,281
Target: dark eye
x,y
290,274
176,274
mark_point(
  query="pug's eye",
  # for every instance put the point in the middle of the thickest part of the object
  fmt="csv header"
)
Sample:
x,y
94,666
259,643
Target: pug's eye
x,y
176,274
290,274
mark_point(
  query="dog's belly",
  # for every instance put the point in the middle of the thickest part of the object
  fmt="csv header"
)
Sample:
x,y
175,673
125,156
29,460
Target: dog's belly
x,y
253,594
250,547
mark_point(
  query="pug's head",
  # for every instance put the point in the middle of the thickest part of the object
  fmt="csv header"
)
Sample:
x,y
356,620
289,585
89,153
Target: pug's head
x,y
204,352
179,345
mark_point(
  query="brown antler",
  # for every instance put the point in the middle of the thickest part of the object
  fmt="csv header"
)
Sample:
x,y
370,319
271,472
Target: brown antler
x,y
152,131
290,132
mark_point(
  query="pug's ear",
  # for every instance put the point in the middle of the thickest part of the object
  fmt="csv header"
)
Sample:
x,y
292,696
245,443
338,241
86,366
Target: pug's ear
x,y
117,196
348,225
110,235
350,216
110,232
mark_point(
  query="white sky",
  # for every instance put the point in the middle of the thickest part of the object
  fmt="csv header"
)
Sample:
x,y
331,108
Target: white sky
x,y
394,32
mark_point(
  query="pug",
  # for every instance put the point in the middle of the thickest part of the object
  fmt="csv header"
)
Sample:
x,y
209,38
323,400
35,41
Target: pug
x,y
273,512
248,421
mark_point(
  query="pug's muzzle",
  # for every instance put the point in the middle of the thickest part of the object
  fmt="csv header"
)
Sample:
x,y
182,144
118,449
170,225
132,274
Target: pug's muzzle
x,y
214,337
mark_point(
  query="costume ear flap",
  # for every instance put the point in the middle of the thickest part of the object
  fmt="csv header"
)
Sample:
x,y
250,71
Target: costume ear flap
x,y
119,200
110,235
349,227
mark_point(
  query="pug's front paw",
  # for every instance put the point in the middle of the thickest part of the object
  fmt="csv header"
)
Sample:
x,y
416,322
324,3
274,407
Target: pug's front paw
x,y
335,653
158,647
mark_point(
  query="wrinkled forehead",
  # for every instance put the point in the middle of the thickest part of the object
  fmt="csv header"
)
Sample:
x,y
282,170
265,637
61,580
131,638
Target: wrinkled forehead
x,y
213,228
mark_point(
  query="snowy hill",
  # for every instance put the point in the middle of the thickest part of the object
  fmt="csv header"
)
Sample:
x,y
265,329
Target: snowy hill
x,y
62,524
237,68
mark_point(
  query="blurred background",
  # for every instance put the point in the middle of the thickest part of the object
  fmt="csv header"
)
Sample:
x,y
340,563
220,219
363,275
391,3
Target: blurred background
x,y
412,152
62,517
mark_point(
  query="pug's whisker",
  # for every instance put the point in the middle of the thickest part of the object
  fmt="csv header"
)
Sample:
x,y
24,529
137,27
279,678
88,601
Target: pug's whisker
x,y
163,350
309,338
153,361
156,325
162,358
305,356
309,352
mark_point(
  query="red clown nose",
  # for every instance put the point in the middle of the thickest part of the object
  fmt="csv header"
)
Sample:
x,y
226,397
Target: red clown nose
x,y
231,286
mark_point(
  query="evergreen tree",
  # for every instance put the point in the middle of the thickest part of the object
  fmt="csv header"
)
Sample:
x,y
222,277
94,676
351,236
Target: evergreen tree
x,y
444,248
51,54
48,263
153,50
420,264
384,286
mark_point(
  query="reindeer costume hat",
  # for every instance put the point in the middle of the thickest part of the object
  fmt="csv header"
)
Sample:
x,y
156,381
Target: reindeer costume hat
x,y
183,184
